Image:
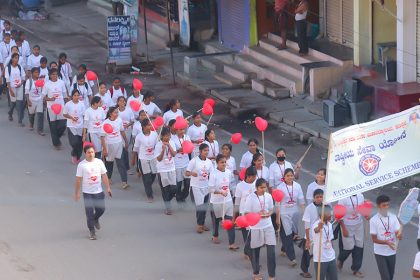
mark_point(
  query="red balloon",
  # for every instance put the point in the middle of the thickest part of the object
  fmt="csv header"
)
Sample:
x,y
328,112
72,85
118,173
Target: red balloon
x,y
56,108
242,174
158,121
236,138
180,123
187,147
278,195
91,76
339,211
207,109
137,84
261,124
135,105
241,222
40,83
365,209
227,224
253,218
210,101
108,128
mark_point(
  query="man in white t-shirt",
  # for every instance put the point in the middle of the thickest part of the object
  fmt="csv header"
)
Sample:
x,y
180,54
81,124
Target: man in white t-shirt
x,y
35,102
385,230
416,266
85,90
117,90
89,176
6,46
34,59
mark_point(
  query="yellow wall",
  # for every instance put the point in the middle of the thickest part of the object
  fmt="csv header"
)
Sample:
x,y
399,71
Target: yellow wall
x,y
384,27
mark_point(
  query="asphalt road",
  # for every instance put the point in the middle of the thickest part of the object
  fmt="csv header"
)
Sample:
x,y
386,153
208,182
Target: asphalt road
x,y
43,233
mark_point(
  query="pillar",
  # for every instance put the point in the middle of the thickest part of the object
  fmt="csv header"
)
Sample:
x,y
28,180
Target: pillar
x,y
362,32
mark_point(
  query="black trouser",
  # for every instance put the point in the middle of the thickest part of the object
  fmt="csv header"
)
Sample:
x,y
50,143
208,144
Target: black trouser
x,y
306,258
94,208
76,144
356,255
182,192
125,158
200,210
20,108
216,222
418,244
168,192
301,27
287,244
271,260
148,180
386,266
274,221
39,120
117,8
12,106
247,242
328,270
57,129
121,168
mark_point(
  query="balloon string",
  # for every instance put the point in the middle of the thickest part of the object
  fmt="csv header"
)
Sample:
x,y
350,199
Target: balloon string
x,y
209,119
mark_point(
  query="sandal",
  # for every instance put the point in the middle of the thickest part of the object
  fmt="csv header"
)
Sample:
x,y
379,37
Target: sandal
x,y
305,275
358,274
257,277
233,247
215,240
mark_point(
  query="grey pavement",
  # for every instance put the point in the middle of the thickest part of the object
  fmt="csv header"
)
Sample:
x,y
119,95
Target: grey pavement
x,y
43,233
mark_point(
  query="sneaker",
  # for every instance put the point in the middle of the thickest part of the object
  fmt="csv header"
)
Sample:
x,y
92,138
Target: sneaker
x,y
293,263
200,229
10,118
92,235
168,212
97,225
205,228
150,199
124,185
74,160
41,133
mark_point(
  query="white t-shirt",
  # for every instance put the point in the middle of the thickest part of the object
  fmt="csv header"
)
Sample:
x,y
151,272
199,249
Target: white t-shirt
x,y
21,61
33,92
106,101
127,117
152,109
213,148
293,197
85,92
136,129
43,72
5,49
352,217
256,204
231,164
33,61
117,126
91,173
93,119
418,232
144,145
170,115
220,181
138,99
246,160
263,173
327,252
55,89
76,111
181,159
15,77
203,168
384,228
310,191
91,83
416,265
117,93
277,173
242,191
196,133
66,71
310,216
167,163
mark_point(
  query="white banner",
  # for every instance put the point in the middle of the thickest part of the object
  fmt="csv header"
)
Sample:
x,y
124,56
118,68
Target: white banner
x,y
370,155
184,22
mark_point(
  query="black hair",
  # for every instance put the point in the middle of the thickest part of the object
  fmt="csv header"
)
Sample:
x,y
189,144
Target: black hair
x,y
171,122
324,170
203,146
219,157
318,192
251,171
327,209
80,76
13,32
253,140
53,62
6,34
110,111
88,147
141,111
382,199
95,99
196,114
43,60
36,46
52,71
165,131
102,83
116,79
260,182
281,149
14,47
207,133
145,122
148,94
34,69
7,22
21,32
121,97
171,104
83,66
62,55
255,157
229,146
74,91
288,170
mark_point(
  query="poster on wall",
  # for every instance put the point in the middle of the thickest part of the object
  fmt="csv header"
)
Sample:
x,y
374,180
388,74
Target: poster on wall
x,y
184,22
131,8
119,39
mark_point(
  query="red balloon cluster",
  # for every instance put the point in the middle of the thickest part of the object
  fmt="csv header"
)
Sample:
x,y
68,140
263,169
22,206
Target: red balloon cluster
x,y
40,83
137,84
261,124
207,109
236,138
241,222
180,123
365,209
108,128
187,147
242,174
56,108
278,195
227,224
91,76
158,122
253,218
339,211
210,101
135,105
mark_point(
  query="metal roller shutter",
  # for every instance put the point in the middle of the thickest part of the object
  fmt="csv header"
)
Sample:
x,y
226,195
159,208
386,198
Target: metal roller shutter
x,y
234,21
347,26
339,21
418,41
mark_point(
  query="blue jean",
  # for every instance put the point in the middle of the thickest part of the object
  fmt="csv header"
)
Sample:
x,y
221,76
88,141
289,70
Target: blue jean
x,y
94,208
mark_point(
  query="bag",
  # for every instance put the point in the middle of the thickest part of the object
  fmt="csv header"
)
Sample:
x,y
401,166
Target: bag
x,y
75,86
9,69
111,90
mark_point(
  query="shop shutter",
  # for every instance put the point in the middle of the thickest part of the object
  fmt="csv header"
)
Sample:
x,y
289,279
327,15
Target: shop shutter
x,y
347,26
339,21
234,23
418,41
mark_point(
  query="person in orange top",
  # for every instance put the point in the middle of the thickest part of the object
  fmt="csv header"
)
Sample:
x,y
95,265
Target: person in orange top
x,y
280,7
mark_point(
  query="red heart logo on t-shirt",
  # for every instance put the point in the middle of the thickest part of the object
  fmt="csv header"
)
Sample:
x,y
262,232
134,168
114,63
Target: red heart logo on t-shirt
x,y
97,123
93,178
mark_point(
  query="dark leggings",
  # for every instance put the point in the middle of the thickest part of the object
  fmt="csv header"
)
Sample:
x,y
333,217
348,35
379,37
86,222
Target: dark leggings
x,y
287,244
148,180
216,221
183,189
271,260
76,144
121,168
247,242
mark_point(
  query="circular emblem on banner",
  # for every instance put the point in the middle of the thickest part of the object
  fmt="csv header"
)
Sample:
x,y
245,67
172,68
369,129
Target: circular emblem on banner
x,y
369,164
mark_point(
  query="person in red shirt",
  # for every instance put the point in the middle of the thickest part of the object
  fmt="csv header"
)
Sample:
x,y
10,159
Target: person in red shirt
x,y
280,7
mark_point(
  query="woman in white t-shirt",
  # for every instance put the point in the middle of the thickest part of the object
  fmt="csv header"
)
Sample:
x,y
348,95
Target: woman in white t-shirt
x,y
230,164
149,106
243,190
246,159
113,142
144,156
196,132
93,118
199,169
64,67
288,214
181,163
258,163
278,167
105,97
137,97
90,174
211,141
319,183
172,111
137,125
165,152
128,118
262,234
73,112
15,78
35,102
221,200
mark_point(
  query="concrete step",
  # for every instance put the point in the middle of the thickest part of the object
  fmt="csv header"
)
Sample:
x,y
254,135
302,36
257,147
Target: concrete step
x,y
229,80
288,54
316,108
215,47
271,59
239,72
274,75
313,53
212,64
270,89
